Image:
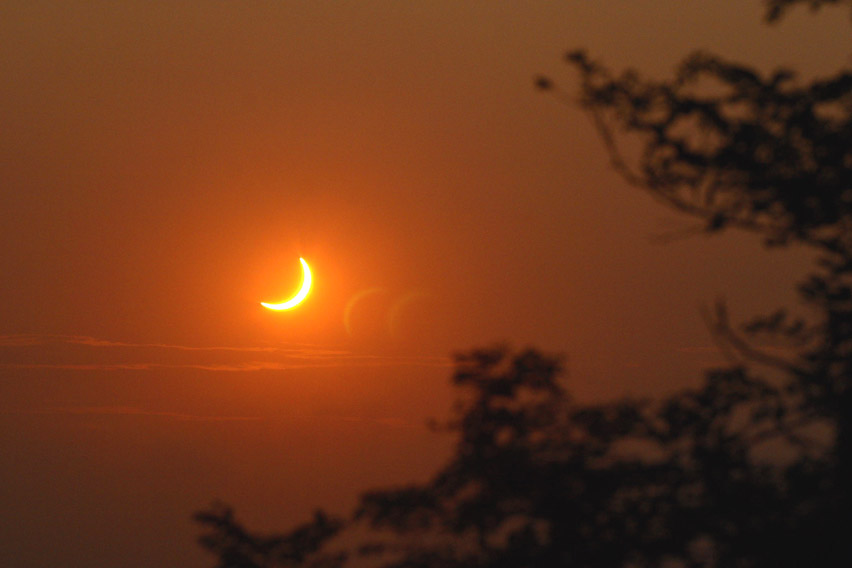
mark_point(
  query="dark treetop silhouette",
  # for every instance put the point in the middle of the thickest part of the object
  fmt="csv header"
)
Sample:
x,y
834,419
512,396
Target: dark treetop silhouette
x,y
751,469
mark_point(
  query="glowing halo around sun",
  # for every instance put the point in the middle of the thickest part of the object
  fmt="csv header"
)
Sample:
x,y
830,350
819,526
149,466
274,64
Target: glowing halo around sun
x,y
300,295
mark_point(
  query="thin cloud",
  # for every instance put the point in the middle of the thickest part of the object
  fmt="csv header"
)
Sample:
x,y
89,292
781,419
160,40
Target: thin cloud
x,y
82,366
131,411
294,349
700,349
134,411
390,421
353,361
16,340
20,340
248,366
275,358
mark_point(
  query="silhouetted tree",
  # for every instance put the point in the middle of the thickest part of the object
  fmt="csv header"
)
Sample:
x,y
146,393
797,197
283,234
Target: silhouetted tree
x,y
752,469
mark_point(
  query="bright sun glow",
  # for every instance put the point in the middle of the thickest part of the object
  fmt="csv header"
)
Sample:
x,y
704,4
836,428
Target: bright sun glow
x,y
300,295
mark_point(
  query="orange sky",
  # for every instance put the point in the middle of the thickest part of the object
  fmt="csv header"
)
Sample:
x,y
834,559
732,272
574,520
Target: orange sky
x,y
163,165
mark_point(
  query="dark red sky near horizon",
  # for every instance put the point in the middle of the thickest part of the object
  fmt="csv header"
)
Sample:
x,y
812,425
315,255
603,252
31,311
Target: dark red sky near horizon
x,y
163,165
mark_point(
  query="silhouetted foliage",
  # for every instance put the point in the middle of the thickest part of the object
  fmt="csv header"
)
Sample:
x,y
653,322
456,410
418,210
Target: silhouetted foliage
x,y
751,469
237,548
777,8
538,480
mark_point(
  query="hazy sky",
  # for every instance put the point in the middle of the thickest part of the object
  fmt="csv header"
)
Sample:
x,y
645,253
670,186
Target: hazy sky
x,y
163,166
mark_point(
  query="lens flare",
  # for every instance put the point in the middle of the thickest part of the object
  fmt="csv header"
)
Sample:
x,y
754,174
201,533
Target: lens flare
x,y
399,306
300,295
347,312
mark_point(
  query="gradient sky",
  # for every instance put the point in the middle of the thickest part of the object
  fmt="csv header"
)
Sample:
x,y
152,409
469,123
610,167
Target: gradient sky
x,y
163,165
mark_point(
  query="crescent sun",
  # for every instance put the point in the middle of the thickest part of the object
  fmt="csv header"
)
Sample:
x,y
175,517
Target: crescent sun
x,y
300,295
